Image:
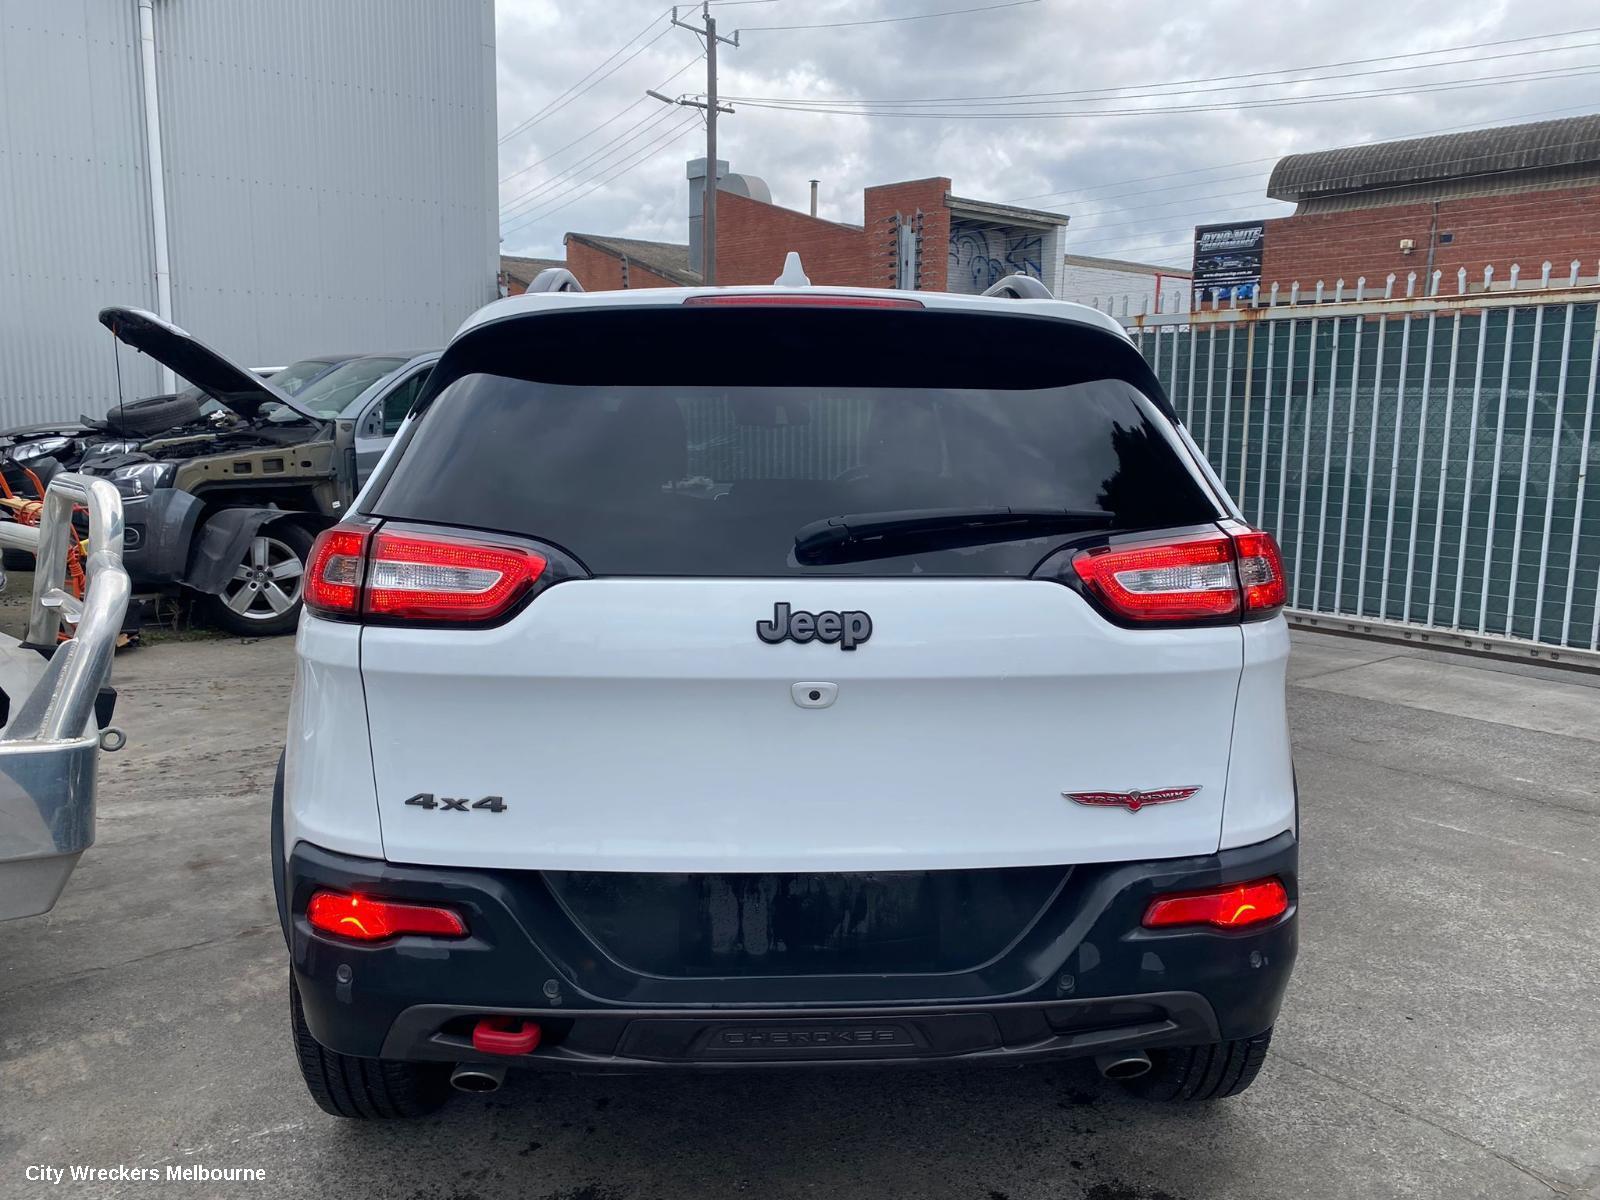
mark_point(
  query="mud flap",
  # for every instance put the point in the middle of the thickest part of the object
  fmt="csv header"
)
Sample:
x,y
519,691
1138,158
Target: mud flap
x,y
221,546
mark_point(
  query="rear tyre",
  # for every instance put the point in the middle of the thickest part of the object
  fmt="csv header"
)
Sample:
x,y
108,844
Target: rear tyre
x,y
364,1089
1202,1072
262,597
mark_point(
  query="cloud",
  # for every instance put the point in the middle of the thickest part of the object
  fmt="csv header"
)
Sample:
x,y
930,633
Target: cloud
x,y
1103,166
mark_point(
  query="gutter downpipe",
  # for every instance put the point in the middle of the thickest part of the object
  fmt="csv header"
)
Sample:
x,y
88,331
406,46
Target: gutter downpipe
x,y
158,181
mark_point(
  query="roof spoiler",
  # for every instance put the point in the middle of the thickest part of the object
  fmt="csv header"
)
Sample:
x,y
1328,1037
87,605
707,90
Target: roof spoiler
x,y
555,279
1020,287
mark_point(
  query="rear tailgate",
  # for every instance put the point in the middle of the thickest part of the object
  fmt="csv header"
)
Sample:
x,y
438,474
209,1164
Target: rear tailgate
x,y
641,725
633,719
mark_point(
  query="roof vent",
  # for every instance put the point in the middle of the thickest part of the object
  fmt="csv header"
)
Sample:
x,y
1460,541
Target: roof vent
x,y
794,275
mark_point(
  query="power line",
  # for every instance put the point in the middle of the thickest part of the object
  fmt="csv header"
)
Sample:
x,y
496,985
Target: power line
x,y
1364,191
1084,97
1448,162
1232,106
1543,112
1044,97
615,117
641,158
954,12
590,80
1081,216
530,198
582,187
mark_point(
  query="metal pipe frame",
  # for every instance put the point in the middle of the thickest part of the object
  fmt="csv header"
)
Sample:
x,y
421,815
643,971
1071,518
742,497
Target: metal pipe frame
x,y
79,666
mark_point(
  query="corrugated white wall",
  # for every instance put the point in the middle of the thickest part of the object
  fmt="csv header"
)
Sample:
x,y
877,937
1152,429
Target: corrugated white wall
x,y
330,182
74,211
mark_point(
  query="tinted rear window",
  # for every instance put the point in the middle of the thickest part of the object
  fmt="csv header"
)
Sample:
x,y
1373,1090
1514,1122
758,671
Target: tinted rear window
x,y
714,479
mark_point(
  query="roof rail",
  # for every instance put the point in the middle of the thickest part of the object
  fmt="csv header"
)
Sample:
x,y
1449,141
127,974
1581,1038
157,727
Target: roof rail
x,y
555,279
1020,287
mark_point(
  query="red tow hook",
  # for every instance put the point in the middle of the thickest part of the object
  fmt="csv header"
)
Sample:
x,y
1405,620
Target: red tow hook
x,y
505,1035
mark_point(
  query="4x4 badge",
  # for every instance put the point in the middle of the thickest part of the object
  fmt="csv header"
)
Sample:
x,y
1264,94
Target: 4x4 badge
x,y
849,629
1132,801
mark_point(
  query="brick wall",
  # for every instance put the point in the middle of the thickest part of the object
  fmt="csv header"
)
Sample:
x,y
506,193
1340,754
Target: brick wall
x,y
600,271
1526,228
927,195
753,238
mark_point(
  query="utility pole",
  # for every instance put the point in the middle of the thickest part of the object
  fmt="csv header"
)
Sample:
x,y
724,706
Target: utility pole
x,y
708,31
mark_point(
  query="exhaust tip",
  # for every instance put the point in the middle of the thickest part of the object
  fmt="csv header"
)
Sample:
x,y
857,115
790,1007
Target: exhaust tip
x,y
473,1077
1127,1065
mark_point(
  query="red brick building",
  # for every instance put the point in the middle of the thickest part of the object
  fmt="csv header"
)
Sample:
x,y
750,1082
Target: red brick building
x,y
1523,194
914,234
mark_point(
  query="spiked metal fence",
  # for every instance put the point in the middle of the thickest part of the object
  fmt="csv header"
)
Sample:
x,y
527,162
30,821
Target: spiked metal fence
x,y
1424,459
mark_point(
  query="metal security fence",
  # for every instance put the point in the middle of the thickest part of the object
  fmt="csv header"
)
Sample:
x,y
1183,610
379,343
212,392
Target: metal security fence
x,y
1422,458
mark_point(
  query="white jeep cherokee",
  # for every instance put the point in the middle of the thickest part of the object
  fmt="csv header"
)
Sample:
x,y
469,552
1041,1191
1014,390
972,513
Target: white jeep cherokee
x,y
714,678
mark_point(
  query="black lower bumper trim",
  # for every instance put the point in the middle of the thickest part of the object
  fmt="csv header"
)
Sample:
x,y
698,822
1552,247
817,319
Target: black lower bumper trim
x,y
637,1041
1082,976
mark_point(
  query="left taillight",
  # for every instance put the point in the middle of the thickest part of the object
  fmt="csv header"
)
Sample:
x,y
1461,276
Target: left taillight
x,y
1209,576
400,576
335,570
363,919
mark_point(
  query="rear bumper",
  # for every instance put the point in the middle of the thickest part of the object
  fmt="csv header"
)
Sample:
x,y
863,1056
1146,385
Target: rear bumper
x,y
1081,977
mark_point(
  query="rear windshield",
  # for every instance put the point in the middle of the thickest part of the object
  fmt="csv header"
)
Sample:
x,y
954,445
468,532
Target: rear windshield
x,y
715,479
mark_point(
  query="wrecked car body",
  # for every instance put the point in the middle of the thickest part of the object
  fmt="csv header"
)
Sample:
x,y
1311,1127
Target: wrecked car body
x,y
227,503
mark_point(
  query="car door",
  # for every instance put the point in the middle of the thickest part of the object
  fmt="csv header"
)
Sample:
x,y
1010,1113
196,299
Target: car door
x,y
381,419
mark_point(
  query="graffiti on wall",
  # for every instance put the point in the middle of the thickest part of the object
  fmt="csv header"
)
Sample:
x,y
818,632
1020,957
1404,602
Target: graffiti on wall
x,y
981,255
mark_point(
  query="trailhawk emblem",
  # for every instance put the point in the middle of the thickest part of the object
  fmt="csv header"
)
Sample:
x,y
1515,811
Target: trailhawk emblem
x,y
1132,801
849,629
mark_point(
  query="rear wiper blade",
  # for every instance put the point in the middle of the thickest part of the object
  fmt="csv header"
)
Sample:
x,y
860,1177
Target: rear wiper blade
x,y
856,536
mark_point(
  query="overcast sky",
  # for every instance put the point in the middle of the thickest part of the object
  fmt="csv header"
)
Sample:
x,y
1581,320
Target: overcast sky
x,y
1104,165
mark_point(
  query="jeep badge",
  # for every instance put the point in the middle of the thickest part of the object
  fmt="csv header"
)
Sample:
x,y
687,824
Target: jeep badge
x,y
849,629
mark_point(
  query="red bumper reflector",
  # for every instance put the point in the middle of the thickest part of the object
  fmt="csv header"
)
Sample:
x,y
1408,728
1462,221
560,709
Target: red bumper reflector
x,y
505,1035
1230,907
363,919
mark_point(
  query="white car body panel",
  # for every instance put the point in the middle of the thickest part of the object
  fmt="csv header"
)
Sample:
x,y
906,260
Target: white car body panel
x,y
640,725
327,778
1261,801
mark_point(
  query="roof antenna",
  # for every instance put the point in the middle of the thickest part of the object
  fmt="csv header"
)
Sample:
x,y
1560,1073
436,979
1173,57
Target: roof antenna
x,y
794,275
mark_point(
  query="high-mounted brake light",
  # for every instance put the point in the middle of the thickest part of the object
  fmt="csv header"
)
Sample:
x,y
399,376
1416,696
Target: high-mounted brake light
x,y
363,919
1231,907
354,573
1206,577
797,300
446,579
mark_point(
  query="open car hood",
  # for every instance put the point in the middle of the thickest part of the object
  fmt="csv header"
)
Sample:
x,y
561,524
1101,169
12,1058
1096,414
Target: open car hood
x,y
237,387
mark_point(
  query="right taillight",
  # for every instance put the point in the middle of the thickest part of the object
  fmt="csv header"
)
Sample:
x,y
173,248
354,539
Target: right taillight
x,y
1209,576
1232,906
402,576
1261,578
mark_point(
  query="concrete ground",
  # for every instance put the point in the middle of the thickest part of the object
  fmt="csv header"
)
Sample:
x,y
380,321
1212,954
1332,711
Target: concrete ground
x,y
1439,1038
